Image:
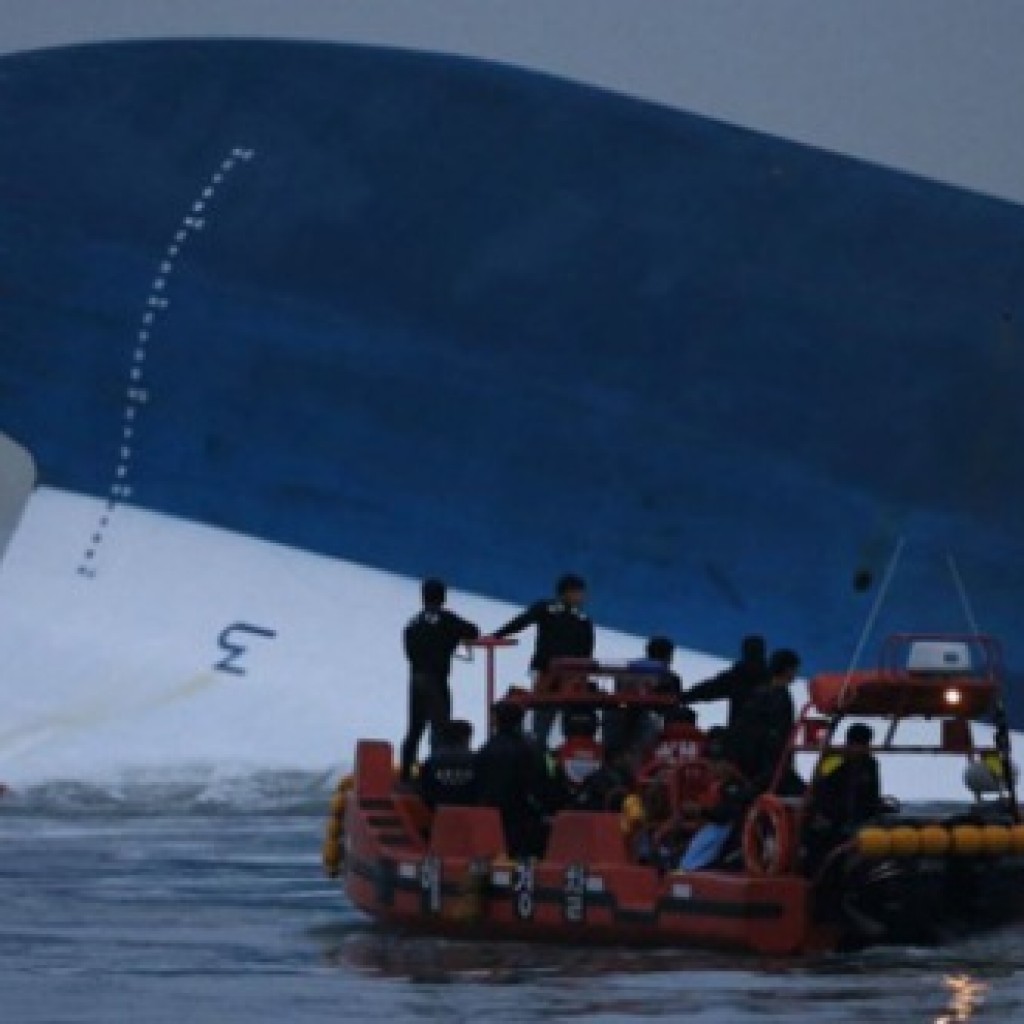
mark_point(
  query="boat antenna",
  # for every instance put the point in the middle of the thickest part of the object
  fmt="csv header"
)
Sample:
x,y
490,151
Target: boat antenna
x,y
1002,728
869,625
965,601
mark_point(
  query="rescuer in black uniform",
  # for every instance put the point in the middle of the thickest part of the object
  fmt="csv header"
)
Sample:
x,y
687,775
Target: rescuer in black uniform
x,y
513,775
738,682
758,738
564,630
430,640
846,791
449,774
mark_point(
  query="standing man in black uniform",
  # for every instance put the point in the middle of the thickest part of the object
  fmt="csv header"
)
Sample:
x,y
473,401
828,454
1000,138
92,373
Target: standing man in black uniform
x,y
564,630
738,683
430,640
758,739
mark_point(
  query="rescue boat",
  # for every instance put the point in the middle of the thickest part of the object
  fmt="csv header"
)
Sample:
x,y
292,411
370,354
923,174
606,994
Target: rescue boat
x,y
610,876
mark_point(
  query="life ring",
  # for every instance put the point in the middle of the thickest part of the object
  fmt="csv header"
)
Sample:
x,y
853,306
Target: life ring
x,y
769,841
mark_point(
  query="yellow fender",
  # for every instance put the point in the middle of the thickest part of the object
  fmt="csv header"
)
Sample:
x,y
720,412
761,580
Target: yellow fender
x,y
333,851
633,815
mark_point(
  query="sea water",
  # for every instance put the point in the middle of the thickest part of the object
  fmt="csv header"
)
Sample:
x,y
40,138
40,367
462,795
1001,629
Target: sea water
x,y
199,901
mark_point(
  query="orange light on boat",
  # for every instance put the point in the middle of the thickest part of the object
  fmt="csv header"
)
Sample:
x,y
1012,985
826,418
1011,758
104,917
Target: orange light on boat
x,y
952,696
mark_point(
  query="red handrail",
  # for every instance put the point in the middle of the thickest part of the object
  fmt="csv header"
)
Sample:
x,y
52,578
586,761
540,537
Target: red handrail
x,y
491,644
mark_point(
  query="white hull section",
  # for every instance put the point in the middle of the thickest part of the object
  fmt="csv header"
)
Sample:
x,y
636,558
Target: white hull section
x,y
127,669
194,647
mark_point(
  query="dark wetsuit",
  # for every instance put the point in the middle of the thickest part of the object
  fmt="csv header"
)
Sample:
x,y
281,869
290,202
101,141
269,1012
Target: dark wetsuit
x,y
845,794
848,795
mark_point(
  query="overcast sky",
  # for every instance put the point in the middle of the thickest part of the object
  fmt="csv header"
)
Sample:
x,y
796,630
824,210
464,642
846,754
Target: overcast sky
x,y
931,86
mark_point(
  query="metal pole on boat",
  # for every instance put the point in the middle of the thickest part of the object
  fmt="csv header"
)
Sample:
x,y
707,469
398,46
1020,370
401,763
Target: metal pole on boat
x,y
490,644
1002,727
490,682
965,603
869,625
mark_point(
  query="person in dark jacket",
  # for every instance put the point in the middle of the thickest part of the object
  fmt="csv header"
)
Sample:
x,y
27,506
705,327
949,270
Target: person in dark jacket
x,y
448,776
757,740
513,775
564,630
738,683
430,640
846,793
658,654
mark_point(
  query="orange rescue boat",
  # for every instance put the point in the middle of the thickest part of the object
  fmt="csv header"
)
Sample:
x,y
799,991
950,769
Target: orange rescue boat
x,y
909,876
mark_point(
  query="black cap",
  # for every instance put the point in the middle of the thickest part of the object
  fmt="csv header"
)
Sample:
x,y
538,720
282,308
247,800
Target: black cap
x,y
434,592
859,734
508,715
753,649
569,581
783,660
660,648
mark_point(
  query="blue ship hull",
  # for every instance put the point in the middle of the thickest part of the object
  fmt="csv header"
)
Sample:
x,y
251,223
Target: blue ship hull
x,y
436,315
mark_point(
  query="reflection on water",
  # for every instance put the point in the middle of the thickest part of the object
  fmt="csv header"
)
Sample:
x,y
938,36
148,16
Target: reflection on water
x,y
945,986
966,994
394,955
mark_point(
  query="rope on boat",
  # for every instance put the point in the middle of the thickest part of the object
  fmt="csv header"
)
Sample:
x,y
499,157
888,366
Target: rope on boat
x,y
869,625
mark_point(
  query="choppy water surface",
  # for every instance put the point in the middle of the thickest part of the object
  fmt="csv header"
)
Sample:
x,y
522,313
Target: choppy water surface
x,y
194,903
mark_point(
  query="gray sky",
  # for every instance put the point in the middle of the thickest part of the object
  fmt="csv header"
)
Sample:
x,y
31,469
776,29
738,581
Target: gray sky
x,y
931,86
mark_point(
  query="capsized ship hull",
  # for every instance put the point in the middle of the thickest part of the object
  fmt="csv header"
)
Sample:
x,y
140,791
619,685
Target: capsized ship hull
x,y
435,315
